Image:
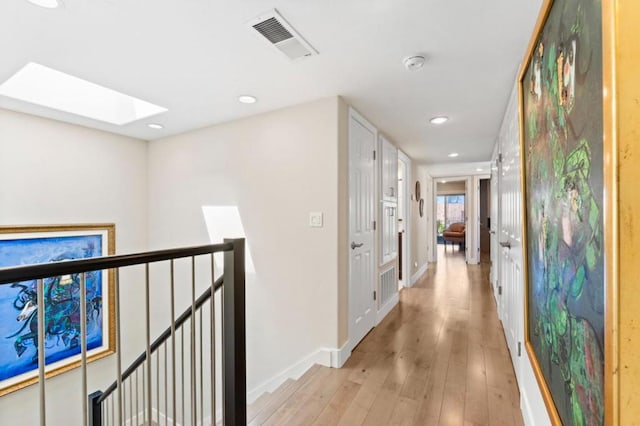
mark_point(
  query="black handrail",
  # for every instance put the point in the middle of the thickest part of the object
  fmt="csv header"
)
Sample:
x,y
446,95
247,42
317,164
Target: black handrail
x,y
233,314
160,340
46,270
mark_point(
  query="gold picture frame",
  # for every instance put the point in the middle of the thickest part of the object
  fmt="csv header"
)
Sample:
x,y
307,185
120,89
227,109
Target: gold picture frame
x,y
555,59
44,243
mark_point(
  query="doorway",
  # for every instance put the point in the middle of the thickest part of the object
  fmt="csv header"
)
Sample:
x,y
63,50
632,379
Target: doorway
x,y
451,217
485,220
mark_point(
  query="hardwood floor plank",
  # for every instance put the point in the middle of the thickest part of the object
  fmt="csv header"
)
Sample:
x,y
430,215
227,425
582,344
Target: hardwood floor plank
x,y
385,402
298,399
500,408
338,405
452,411
404,412
416,382
439,358
318,400
283,396
371,387
476,409
254,408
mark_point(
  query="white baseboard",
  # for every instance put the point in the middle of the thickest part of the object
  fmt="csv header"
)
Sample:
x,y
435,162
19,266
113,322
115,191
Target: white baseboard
x,y
384,310
534,410
340,356
321,356
525,408
419,273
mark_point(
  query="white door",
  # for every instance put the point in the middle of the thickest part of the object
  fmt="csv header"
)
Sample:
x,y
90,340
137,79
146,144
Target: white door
x,y
493,228
362,142
509,235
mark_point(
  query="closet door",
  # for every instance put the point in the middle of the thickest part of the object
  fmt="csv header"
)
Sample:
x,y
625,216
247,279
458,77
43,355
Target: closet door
x,y
389,171
389,246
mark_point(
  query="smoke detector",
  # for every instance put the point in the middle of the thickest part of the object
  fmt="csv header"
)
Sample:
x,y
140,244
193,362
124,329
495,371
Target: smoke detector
x,y
273,28
414,62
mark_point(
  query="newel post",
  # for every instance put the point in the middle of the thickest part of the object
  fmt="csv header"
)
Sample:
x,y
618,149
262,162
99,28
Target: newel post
x,y
234,360
95,409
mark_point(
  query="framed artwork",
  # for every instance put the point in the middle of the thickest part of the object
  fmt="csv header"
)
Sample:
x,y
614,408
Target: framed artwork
x,y
561,111
26,245
418,191
421,207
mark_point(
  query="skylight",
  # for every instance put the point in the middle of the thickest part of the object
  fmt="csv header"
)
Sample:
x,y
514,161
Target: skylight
x,y
50,88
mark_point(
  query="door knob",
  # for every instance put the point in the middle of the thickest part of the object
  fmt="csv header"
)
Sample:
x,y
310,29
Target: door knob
x,y
355,246
506,244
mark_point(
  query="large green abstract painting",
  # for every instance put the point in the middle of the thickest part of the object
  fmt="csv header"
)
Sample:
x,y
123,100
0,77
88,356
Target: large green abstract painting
x,y
563,166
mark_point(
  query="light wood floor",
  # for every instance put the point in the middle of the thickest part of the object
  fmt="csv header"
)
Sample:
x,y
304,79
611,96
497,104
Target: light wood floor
x,y
439,358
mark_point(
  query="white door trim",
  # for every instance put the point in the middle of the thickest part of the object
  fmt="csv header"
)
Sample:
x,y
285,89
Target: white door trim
x,y
434,221
406,238
434,240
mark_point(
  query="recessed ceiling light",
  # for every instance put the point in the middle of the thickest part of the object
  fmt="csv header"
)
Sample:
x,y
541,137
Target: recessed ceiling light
x,y
155,126
50,88
478,170
439,120
414,62
49,4
247,99
443,181
453,154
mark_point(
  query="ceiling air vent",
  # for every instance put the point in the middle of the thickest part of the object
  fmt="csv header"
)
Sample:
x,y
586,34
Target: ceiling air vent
x,y
278,33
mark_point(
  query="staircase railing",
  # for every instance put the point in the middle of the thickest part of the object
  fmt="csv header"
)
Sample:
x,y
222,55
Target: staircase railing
x,y
141,393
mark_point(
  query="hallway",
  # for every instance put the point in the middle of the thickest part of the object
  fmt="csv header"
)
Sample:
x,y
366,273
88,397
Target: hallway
x,y
440,357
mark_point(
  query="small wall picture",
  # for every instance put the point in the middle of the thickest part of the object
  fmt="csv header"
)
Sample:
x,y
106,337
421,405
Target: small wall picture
x,y
418,197
27,245
421,207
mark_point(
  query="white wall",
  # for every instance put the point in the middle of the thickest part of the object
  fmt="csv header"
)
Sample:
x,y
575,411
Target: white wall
x,y
276,167
456,187
56,173
420,233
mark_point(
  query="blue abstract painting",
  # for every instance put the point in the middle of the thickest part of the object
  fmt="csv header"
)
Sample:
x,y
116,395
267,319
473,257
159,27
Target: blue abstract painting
x,y
18,303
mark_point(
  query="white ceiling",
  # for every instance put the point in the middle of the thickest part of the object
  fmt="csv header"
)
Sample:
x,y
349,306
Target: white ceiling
x,y
195,57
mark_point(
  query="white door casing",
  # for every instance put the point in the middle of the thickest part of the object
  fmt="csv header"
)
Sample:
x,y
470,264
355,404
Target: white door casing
x,y
493,229
388,160
407,223
430,217
388,170
362,279
388,232
510,236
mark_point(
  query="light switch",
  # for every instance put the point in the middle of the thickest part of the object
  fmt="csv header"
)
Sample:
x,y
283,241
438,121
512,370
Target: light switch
x,y
315,219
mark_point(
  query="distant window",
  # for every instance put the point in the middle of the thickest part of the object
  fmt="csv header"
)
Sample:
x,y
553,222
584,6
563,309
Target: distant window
x,y
450,209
